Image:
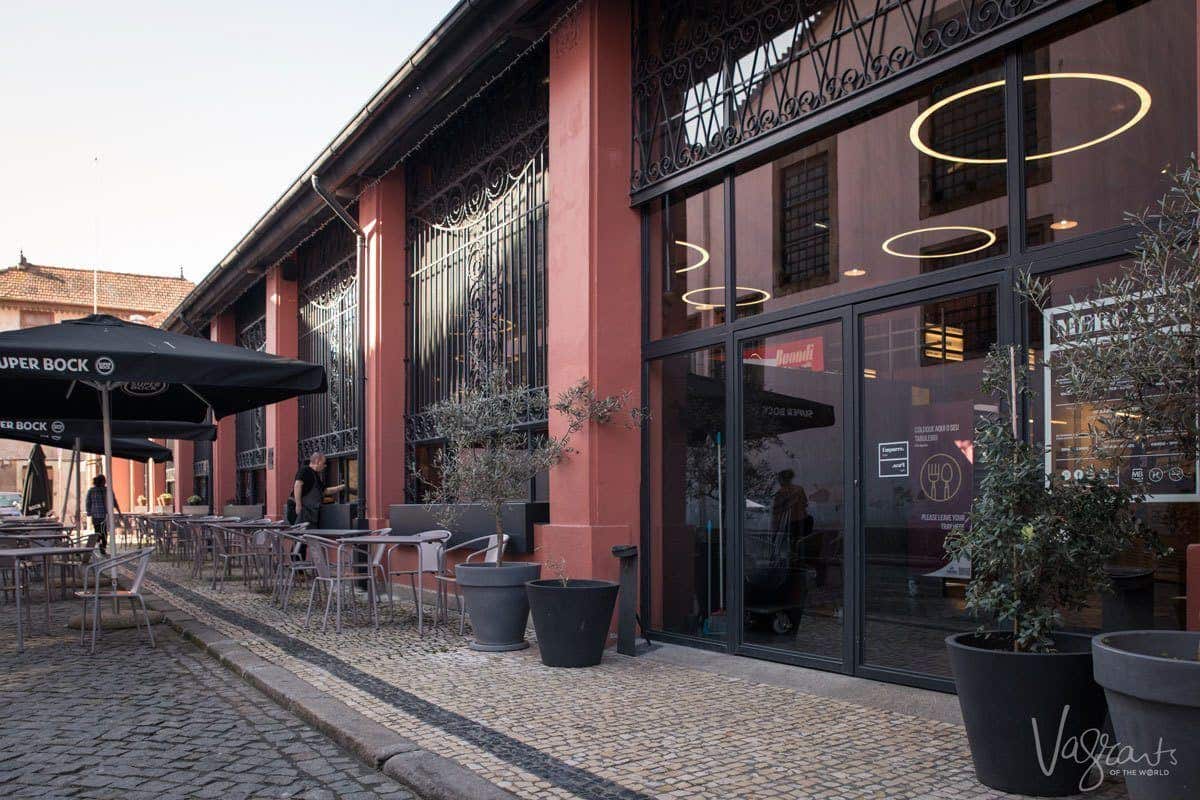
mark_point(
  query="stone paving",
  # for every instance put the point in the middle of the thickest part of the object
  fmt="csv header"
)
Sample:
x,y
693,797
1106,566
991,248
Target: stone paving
x,y
163,723
630,728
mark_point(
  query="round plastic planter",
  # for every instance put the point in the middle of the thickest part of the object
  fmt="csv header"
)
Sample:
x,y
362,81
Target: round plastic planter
x,y
1152,681
495,599
571,621
1003,695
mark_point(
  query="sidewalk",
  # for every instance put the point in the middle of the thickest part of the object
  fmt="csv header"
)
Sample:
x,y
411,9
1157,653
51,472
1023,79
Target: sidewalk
x,y
671,724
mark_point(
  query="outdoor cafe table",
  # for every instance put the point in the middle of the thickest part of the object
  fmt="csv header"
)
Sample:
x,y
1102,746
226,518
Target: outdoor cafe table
x,y
412,540
20,554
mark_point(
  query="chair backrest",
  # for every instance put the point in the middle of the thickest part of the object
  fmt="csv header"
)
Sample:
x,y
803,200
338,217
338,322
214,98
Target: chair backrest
x,y
491,552
139,572
429,551
377,551
319,550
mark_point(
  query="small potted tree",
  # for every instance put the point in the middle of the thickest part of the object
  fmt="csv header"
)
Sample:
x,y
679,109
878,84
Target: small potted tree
x,y
1037,545
572,615
489,459
195,506
1143,378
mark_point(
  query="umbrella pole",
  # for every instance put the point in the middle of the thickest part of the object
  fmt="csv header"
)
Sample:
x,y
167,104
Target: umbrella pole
x,y
78,487
106,415
67,486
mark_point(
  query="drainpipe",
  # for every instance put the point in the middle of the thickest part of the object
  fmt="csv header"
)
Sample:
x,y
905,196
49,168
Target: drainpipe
x,y
360,264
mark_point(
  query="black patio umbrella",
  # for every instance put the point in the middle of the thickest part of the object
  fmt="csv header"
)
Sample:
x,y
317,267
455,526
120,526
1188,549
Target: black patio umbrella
x,y
101,366
129,447
63,432
35,497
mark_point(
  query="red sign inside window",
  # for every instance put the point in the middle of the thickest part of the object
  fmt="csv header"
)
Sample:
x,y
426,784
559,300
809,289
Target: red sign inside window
x,y
806,353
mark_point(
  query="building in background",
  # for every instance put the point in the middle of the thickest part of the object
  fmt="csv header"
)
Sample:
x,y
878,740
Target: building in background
x,y
870,177
35,294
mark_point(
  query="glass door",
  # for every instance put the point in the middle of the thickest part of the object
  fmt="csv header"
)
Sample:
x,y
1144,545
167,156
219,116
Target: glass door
x,y
793,493
919,397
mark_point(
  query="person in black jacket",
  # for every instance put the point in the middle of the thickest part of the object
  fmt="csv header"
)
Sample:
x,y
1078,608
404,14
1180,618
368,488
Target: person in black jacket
x,y
98,510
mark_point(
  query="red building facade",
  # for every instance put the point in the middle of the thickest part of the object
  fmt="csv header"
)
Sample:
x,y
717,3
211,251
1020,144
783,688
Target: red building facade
x,y
870,177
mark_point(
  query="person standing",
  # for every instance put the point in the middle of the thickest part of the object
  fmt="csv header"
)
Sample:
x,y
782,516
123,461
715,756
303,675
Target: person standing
x,y
309,490
98,511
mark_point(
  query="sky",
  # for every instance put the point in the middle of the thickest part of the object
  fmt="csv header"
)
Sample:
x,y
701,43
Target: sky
x,y
150,136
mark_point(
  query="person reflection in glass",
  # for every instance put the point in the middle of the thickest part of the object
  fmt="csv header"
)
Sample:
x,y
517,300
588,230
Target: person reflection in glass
x,y
789,507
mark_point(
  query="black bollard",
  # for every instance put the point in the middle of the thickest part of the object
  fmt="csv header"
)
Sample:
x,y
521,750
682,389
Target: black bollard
x,y
627,606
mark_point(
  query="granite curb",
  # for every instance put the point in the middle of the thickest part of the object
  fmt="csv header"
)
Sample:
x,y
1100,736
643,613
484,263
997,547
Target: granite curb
x,y
431,776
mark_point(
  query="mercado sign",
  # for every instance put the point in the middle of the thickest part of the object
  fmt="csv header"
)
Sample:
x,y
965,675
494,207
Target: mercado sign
x,y
1159,466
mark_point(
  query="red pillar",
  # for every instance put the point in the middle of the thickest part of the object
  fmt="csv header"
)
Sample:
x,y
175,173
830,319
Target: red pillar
x,y
184,452
594,285
381,214
123,490
282,418
224,452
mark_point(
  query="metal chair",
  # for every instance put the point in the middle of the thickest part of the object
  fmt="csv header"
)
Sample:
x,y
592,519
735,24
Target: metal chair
x,y
291,561
138,560
337,577
486,547
429,562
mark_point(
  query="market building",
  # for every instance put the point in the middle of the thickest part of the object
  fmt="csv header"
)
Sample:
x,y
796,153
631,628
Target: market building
x,y
36,294
870,177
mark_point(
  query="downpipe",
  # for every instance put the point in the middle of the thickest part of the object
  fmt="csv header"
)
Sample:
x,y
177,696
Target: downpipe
x,y
360,262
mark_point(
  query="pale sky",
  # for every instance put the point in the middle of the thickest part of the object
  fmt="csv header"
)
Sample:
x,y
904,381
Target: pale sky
x,y
149,136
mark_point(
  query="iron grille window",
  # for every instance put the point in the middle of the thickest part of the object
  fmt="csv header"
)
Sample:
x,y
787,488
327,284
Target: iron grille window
x,y
710,75
328,335
250,431
477,216
804,201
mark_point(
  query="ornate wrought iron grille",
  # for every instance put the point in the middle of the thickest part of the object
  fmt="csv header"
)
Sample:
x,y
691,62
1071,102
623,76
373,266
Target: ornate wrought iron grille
x,y
201,459
250,432
710,75
477,217
328,335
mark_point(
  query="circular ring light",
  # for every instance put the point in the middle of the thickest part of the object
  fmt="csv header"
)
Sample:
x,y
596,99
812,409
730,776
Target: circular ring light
x,y
704,256
1143,96
763,296
991,239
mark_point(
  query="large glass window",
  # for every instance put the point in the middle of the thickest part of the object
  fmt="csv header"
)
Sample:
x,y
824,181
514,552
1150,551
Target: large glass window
x,y
687,467
1114,106
869,205
920,398
793,530
687,262
1147,594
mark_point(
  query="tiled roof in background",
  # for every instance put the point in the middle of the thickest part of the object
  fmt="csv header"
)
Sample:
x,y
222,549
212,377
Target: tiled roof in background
x,y
28,282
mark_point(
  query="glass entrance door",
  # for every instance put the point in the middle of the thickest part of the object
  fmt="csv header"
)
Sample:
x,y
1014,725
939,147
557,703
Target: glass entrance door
x,y
918,401
793,491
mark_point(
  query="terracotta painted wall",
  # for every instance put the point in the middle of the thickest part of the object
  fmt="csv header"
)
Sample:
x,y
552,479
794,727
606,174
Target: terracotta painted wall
x,y
282,418
593,285
224,451
381,213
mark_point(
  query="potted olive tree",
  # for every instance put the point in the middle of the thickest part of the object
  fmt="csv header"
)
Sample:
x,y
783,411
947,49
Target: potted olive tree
x,y
195,506
1142,375
489,459
572,615
1037,545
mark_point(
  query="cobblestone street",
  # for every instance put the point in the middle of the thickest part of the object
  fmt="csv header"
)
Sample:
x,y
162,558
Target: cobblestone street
x,y
171,722
632,728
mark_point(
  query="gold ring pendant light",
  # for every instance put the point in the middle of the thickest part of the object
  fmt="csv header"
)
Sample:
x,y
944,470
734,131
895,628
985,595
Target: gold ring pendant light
x,y
688,297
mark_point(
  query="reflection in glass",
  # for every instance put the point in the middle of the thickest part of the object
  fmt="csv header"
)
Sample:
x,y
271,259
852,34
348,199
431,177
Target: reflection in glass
x,y
866,207
1128,115
792,517
920,395
687,462
1147,594
687,262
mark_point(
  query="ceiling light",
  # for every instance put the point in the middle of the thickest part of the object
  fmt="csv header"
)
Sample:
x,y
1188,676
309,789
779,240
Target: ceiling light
x,y
1143,96
870,373
704,257
988,241
1064,224
854,272
821,225
688,297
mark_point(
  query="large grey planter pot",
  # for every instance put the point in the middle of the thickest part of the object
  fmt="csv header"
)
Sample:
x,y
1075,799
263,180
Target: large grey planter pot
x,y
571,621
495,599
1152,681
1003,694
